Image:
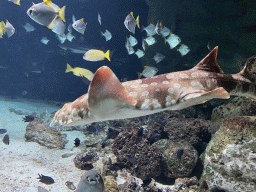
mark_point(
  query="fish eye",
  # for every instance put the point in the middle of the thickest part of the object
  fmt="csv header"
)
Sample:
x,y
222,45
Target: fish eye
x,y
30,12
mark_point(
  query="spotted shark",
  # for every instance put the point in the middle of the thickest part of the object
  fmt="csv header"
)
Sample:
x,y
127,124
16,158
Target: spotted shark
x,y
109,99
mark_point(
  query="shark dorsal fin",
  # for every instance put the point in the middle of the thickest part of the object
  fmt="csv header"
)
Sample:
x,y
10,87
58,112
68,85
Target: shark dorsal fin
x,y
106,93
209,63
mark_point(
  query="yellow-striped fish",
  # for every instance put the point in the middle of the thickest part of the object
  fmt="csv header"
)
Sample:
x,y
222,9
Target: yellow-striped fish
x,y
96,55
80,72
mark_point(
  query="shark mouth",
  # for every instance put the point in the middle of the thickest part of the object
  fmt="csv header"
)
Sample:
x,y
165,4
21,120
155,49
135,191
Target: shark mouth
x,y
92,181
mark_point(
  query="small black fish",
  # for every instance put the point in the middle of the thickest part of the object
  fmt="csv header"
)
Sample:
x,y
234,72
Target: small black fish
x,y
28,118
6,139
140,132
45,179
2,131
180,153
77,142
154,137
112,133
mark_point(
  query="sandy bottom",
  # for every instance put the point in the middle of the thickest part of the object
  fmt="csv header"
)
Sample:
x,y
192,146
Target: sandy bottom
x,y
21,161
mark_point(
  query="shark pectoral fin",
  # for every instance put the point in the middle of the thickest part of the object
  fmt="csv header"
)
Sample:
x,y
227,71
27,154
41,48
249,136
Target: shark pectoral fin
x,y
106,94
200,97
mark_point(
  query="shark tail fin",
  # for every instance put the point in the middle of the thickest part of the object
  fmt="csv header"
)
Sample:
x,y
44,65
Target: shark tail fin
x,y
249,70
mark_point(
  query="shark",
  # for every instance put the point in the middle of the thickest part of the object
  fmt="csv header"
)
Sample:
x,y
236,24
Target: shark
x,y
110,99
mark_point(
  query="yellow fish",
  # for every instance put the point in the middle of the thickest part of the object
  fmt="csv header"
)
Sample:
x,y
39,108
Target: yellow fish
x,y
80,72
2,28
96,55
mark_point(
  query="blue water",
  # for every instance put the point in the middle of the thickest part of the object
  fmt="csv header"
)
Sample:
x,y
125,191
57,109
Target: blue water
x,y
24,52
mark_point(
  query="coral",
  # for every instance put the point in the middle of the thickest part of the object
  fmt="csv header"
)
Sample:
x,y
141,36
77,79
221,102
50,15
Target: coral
x,y
175,167
230,159
195,131
142,159
236,107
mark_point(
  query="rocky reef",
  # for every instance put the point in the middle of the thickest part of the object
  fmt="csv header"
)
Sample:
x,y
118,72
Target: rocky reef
x,y
230,158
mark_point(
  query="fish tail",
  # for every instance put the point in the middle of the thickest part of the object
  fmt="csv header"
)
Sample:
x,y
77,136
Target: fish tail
x,y
62,13
137,21
69,68
107,55
139,75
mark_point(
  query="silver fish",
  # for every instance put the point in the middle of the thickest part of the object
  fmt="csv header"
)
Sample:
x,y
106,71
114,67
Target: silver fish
x,y
133,41
107,35
79,25
44,40
151,30
128,46
165,32
150,40
99,18
173,40
148,71
45,13
158,57
91,182
58,26
70,37
183,49
140,53
62,38
10,30
130,22
29,28
158,28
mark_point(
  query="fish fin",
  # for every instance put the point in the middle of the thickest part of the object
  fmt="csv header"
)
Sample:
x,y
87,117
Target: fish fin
x,y
137,21
107,95
131,14
73,19
107,55
139,75
50,26
62,13
209,63
69,68
202,97
82,19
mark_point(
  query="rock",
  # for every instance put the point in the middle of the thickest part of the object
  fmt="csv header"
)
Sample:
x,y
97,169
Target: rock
x,y
195,131
230,158
37,131
236,107
138,156
174,166
84,161
110,184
